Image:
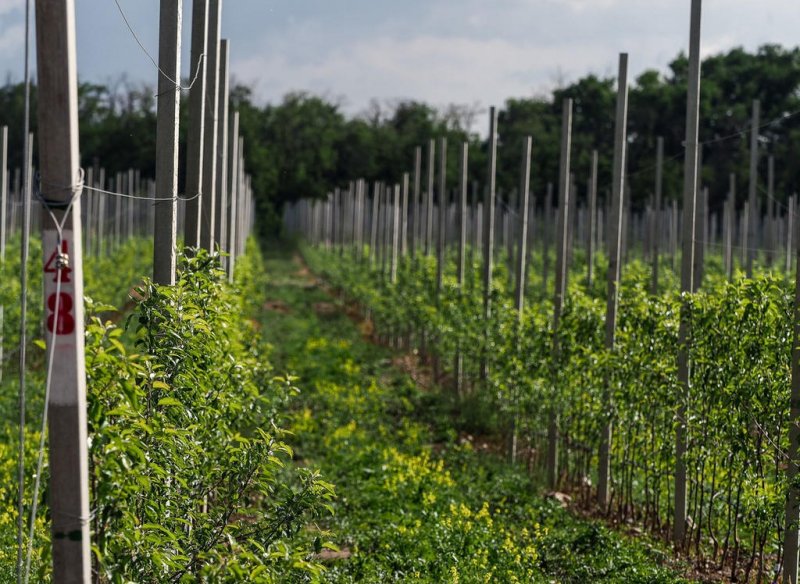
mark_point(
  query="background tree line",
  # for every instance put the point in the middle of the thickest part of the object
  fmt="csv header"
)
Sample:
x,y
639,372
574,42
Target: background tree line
x,y
307,144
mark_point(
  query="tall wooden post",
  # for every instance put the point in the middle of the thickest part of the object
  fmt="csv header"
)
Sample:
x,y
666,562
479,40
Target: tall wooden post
x,y
614,268
560,279
462,215
196,129
488,230
221,211
209,193
458,366
415,205
729,225
373,239
3,207
755,214
790,228
395,218
590,247
656,226
519,292
441,236
687,267
403,216
524,192
429,197
168,117
792,509
63,286
233,166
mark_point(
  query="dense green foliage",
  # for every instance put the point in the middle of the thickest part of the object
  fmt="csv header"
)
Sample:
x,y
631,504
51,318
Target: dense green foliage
x,y
304,145
419,501
738,402
188,464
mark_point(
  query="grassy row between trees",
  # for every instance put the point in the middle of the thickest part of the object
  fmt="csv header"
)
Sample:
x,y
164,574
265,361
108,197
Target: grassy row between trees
x,y
418,500
738,405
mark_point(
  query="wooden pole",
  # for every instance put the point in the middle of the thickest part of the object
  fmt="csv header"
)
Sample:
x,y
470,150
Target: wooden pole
x,y
656,226
373,239
221,188
63,286
488,229
614,268
524,190
792,507
395,209
208,204
687,267
729,224
196,128
519,292
752,226
429,197
167,123
3,206
488,218
403,216
415,205
441,236
560,279
592,221
233,189
790,227
462,215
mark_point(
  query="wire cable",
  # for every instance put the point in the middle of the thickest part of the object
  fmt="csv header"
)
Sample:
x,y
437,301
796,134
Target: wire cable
x,y
24,252
175,82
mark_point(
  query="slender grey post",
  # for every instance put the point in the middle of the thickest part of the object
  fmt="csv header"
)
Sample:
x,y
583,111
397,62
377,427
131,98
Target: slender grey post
x,y
221,211
3,207
462,215
429,197
403,216
488,232
168,119
195,130
729,223
524,190
233,166
752,227
656,227
519,292
792,509
59,165
560,279
3,200
546,232
687,266
614,268
771,236
209,193
458,365
592,221
415,205
441,236
373,239
790,220
395,231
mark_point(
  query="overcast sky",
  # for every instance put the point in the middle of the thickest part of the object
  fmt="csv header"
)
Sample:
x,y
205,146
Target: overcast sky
x,y
439,51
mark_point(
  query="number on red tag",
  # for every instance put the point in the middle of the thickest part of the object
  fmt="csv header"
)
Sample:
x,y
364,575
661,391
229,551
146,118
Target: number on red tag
x,y
52,268
66,322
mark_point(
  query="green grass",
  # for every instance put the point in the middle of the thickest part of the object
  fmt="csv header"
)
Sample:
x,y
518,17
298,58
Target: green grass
x,y
415,501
